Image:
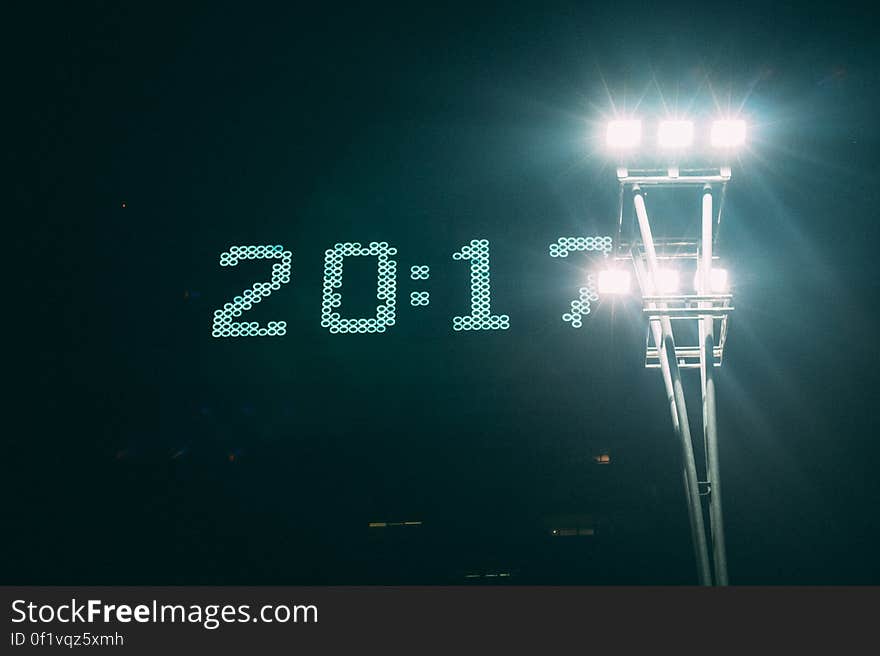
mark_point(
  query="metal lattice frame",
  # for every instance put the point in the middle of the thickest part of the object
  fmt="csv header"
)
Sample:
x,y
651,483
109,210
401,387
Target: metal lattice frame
x,y
706,309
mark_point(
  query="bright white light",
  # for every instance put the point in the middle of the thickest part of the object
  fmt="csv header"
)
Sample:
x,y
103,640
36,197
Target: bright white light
x,y
728,134
614,281
675,134
623,134
667,281
718,281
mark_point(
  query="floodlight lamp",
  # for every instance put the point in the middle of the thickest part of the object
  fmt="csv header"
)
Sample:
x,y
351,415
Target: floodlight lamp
x,y
728,134
675,134
667,281
623,134
614,281
719,283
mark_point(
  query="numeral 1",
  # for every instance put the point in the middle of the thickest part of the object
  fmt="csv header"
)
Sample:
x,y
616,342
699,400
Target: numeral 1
x,y
480,318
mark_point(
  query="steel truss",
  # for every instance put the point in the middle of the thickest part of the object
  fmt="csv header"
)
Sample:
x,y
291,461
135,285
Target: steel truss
x,y
706,309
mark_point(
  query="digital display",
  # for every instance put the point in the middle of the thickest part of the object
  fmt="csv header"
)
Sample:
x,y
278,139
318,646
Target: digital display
x,y
227,324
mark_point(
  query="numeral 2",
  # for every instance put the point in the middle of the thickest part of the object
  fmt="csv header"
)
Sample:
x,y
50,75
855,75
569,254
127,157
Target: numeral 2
x,y
224,323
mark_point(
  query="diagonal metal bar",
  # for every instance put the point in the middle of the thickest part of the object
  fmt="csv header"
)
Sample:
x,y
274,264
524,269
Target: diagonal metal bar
x,y
707,380
691,494
698,531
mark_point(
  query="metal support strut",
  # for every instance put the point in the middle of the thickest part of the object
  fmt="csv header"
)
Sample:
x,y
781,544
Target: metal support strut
x,y
665,344
707,378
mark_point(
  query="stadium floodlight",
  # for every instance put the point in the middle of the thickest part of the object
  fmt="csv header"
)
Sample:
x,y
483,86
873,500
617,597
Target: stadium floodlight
x,y
675,134
614,281
623,134
703,310
719,282
728,134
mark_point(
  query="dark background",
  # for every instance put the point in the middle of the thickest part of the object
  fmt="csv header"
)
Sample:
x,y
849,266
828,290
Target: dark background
x,y
145,141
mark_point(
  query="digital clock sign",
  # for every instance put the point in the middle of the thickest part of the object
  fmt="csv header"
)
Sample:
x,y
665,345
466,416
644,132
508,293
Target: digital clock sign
x,y
477,253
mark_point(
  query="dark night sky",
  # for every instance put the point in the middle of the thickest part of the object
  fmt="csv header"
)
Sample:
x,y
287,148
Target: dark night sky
x,y
147,141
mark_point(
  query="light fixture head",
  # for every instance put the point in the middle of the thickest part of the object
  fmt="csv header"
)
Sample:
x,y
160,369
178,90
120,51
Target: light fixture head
x,y
675,134
719,282
614,281
728,134
623,135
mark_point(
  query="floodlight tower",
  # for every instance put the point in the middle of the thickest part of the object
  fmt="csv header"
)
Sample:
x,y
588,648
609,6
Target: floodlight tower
x,y
658,264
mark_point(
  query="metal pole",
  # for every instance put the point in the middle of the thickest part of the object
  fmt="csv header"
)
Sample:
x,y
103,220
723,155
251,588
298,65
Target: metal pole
x,y
705,324
690,467
716,518
703,279
707,378
656,332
